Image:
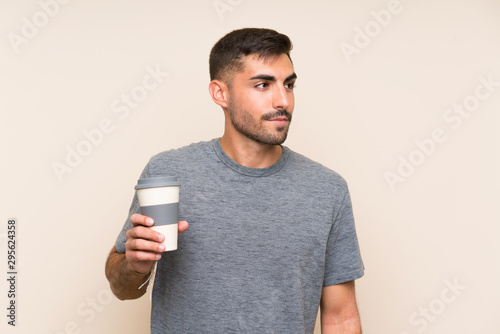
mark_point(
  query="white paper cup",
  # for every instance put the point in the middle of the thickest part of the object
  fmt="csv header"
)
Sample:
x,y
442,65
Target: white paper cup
x,y
159,199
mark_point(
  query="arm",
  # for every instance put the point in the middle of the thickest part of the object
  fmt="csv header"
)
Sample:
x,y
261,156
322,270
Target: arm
x,y
123,280
142,249
339,311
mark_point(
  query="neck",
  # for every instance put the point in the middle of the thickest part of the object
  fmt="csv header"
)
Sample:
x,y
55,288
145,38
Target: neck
x,y
250,153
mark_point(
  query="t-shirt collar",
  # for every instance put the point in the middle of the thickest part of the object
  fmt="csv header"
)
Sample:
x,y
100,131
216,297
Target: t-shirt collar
x,y
257,172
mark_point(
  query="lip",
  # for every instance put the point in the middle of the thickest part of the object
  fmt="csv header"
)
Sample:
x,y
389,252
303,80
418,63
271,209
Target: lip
x,y
279,119
282,121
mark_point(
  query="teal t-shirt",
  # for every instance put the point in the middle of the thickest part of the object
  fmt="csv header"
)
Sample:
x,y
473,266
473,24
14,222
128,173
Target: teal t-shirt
x,y
261,243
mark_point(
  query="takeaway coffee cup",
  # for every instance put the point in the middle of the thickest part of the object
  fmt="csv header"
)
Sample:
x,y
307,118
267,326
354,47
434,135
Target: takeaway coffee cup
x,y
159,199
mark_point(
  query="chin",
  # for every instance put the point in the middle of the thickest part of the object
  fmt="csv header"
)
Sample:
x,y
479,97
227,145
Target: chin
x,y
277,140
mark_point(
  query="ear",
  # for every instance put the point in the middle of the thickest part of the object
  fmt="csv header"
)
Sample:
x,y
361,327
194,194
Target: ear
x,y
219,92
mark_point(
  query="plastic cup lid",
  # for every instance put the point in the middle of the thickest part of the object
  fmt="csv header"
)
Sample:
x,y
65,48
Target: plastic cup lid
x,y
154,182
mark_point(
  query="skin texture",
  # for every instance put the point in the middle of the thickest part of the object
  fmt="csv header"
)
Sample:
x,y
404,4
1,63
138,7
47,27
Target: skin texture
x,y
258,105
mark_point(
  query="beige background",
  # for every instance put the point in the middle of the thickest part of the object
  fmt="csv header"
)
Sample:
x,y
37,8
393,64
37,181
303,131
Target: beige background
x,y
356,114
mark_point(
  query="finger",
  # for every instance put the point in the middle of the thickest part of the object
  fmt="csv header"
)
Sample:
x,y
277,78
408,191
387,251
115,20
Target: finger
x,y
183,225
140,257
137,219
144,246
142,232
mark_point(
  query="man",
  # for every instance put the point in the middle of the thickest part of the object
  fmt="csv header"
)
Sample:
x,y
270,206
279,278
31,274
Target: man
x,y
271,233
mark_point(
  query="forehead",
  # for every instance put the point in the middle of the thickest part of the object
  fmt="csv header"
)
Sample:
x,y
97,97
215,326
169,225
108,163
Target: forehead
x,y
277,66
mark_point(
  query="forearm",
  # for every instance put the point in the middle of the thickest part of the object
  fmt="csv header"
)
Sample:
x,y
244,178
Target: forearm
x,y
123,280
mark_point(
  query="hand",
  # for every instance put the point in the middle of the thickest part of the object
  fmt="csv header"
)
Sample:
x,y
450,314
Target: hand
x,y
144,246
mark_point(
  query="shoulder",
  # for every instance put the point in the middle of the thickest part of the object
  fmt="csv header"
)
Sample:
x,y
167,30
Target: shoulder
x,y
178,159
308,169
183,153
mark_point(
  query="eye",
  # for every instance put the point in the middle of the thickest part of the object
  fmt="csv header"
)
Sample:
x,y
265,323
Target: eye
x,y
262,85
290,85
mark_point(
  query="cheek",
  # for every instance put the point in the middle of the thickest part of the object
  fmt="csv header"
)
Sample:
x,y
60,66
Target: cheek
x,y
291,104
258,103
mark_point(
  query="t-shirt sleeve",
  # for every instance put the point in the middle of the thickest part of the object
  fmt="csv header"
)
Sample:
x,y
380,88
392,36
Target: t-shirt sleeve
x,y
343,258
134,208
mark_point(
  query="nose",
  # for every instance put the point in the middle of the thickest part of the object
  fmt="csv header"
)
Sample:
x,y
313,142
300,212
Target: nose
x,y
281,98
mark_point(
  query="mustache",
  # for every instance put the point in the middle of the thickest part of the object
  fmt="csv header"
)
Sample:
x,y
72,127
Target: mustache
x,y
277,113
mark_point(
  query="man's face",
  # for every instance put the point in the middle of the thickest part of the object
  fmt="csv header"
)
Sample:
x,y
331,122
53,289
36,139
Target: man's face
x,y
261,100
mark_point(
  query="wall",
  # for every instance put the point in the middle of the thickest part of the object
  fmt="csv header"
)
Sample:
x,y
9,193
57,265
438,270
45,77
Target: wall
x,y
399,97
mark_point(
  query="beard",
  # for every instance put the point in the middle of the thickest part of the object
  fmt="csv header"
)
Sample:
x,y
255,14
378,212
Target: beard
x,y
256,130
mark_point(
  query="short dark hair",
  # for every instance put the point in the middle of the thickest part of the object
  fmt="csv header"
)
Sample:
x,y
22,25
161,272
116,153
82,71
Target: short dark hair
x,y
226,55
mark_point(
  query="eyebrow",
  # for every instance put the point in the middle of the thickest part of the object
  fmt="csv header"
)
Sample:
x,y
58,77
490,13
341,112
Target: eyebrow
x,y
272,78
